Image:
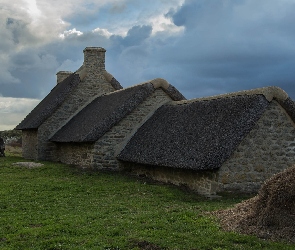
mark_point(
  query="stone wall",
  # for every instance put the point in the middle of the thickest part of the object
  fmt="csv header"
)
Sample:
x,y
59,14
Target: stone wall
x,y
268,149
29,144
79,154
77,99
203,182
93,84
110,143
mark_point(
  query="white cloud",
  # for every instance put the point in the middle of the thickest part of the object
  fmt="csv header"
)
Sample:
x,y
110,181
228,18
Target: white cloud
x,y
16,105
32,8
102,32
164,24
14,110
71,32
29,24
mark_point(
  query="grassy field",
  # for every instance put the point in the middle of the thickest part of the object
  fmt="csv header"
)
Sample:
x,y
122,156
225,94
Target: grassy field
x,y
60,207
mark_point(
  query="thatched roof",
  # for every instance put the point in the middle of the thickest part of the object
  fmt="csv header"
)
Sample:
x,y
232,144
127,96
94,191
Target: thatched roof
x,y
115,84
56,97
197,134
169,89
101,114
50,103
289,106
112,80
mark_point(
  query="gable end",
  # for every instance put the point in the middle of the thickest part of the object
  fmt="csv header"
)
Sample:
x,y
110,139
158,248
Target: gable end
x,y
50,103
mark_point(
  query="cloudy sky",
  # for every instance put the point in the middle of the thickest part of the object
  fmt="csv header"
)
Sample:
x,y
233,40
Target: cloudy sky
x,y
202,47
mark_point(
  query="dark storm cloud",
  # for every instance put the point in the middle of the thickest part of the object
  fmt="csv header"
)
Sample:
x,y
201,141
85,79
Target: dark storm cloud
x,y
226,46
208,47
232,45
36,67
135,36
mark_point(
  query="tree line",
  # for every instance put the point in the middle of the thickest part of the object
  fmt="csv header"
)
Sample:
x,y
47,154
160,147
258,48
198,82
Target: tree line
x,y
11,136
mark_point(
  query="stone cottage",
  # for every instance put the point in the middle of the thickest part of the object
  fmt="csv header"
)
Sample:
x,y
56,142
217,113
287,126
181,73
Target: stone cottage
x,y
229,142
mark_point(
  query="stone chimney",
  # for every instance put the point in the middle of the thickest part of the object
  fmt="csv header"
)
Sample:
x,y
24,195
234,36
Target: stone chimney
x,y
94,59
93,73
61,75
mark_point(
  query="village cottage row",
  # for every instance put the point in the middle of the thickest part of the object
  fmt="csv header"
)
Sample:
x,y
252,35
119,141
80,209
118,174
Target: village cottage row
x,y
231,142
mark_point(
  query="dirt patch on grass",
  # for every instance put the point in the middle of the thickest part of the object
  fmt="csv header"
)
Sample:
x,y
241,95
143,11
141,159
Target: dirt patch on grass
x,y
270,214
28,164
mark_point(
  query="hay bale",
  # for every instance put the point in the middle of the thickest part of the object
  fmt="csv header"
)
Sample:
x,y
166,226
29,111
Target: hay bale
x,y
276,201
270,214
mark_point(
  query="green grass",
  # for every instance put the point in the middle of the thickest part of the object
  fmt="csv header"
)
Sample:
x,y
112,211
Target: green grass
x,y
60,207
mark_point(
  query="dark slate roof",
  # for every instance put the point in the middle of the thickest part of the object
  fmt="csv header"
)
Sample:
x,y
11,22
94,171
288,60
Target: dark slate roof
x,y
50,103
102,113
198,135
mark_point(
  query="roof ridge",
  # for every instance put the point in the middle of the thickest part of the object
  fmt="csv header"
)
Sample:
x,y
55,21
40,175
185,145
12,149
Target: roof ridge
x,y
112,80
155,83
270,93
123,89
160,83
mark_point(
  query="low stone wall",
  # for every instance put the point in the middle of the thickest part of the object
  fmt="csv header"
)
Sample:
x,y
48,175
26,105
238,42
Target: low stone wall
x,y
107,146
29,144
79,154
203,182
268,149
